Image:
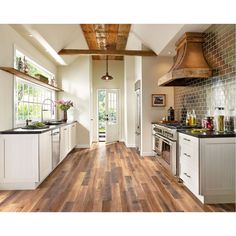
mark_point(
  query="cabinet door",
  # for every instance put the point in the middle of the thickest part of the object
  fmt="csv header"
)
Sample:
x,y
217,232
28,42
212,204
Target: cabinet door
x,y
64,144
45,155
217,166
2,158
72,136
21,158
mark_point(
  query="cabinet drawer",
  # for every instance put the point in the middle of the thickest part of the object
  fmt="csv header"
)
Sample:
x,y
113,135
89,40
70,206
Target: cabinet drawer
x,y
189,175
188,140
189,154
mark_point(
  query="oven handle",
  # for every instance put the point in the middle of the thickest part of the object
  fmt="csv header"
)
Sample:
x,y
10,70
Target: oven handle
x,y
164,139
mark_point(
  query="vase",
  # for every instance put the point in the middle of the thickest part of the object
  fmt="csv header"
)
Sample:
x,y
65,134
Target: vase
x,y
65,116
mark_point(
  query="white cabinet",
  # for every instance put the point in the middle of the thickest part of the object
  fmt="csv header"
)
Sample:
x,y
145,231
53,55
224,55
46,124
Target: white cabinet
x,y
217,169
189,162
68,139
19,158
2,158
26,159
45,155
207,167
72,136
64,143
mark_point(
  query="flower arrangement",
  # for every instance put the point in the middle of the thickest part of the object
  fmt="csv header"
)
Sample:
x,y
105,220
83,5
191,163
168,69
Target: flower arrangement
x,y
64,105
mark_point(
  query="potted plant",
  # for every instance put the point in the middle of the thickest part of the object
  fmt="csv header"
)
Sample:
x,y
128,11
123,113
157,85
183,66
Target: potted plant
x,y
64,106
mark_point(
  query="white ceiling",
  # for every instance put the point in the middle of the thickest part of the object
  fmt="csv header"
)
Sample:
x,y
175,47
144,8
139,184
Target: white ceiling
x,y
56,36
51,38
161,38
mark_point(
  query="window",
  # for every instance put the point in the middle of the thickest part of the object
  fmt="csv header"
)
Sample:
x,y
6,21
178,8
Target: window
x,y
30,97
28,102
33,67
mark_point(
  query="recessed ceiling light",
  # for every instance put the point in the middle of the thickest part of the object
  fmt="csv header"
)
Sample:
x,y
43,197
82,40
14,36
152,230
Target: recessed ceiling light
x,y
169,52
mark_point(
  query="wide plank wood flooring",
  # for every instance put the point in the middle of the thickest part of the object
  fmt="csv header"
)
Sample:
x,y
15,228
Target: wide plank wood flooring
x,y
107,178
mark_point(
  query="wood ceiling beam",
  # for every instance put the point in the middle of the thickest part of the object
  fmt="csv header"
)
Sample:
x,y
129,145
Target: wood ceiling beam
x,y
106,52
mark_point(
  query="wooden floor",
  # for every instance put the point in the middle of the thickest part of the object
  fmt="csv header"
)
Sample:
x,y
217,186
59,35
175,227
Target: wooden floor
x,y
107,178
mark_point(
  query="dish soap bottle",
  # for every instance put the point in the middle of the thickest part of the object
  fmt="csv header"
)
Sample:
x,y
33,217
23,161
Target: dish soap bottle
x,y
193,118
187,121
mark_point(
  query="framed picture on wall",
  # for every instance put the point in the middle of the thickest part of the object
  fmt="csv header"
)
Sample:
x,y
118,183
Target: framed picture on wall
x,y
158,100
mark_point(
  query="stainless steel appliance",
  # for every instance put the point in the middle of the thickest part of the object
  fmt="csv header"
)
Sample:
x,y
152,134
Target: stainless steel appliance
x,y
164,144
55,147
165,139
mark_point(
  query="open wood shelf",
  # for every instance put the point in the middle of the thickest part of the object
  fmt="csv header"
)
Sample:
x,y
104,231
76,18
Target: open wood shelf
x,y
30,78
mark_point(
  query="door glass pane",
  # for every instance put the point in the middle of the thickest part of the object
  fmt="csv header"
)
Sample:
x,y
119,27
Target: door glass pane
x,y
102,110
112,108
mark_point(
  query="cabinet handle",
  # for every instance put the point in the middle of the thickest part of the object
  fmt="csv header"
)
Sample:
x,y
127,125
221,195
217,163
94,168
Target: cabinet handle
x,y
187,175
187,155
55,133
187,139
65,129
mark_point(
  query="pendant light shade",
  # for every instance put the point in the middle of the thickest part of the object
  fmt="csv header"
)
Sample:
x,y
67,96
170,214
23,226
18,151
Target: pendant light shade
x,y
107,76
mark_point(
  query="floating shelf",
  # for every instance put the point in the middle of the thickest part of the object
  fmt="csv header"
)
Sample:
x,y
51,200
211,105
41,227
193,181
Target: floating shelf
x,y
30,78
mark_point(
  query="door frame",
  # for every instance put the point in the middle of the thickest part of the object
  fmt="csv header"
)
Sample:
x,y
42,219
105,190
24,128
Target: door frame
x,y
119,110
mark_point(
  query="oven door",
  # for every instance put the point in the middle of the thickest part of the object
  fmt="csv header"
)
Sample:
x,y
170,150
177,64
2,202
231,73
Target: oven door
x,y
157,144
168,154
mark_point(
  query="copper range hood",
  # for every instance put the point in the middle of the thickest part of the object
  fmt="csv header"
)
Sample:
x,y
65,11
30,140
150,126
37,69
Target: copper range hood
x,y
189,62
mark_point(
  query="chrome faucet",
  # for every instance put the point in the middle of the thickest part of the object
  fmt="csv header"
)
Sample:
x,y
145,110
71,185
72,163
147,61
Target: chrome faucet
x,y
52,107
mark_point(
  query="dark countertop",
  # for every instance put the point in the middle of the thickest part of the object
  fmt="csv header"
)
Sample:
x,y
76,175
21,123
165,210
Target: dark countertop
x,y
209,134
34,131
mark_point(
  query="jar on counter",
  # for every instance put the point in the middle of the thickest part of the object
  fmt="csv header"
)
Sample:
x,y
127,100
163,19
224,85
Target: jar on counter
x,y
208,123
219,119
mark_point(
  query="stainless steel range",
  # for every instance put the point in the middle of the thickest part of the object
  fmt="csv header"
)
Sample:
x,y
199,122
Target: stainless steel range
x,y
165,137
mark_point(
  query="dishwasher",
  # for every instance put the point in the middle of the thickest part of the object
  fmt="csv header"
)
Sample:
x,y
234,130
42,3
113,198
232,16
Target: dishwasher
x,y
55,147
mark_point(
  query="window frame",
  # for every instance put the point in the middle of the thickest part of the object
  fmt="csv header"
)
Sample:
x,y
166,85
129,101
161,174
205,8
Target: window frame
x,y
18,51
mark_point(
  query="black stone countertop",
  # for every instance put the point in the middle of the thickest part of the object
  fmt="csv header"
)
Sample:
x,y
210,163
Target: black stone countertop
x,y
208,134
35,131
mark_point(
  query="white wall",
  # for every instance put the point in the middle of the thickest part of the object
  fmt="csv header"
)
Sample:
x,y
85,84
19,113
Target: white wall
x,y
116,70
129,101
8,38
75,80
152,69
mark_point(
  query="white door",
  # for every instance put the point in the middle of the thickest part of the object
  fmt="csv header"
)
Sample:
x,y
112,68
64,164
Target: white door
x,y
112,115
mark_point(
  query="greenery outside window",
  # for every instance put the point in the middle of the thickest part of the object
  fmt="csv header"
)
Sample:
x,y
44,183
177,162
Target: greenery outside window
x,y
28,102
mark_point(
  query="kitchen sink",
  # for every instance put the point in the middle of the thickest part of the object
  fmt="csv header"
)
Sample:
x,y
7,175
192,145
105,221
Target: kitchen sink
x,y
54,122
35,127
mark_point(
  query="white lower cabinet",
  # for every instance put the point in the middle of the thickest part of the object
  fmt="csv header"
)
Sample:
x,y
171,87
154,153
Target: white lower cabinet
x,y
72,136
21,158
26,159
207,167
64,142
45,155
2,158
68,139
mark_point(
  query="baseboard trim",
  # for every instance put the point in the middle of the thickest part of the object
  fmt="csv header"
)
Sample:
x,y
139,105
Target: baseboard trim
x,y
82,146
147,154
128,145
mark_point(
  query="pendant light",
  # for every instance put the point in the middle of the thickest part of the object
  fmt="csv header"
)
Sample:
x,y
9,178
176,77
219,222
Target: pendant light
x,y
107,76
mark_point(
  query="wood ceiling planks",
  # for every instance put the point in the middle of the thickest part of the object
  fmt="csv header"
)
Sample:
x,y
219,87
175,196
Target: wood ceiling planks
x,y
106,36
